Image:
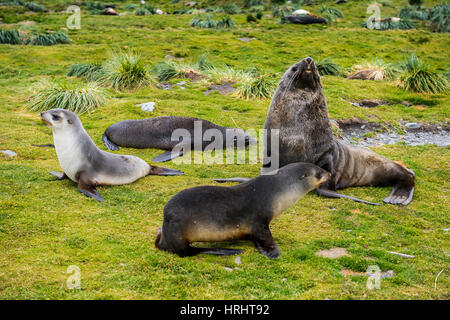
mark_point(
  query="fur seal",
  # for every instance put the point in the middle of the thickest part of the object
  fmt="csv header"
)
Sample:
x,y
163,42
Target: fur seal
x,y
298,109
157,133
83,163
240,212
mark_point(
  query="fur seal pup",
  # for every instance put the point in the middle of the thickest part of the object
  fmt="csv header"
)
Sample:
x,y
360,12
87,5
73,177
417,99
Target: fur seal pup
x,y
157,133
240,212
83,163
298,109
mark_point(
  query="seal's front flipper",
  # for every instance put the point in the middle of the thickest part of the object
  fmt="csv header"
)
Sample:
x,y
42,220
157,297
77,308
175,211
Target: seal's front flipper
x,y
89,190
216,251
400,195
167,156
59,175
332,194
240,180
160,171
109,144
264,242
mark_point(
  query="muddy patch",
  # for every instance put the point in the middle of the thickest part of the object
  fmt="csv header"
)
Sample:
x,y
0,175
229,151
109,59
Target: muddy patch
x,y
224,88
365,134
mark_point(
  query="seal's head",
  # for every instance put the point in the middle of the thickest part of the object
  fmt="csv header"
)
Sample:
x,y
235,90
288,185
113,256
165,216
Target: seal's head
x,y
302,75
58,119
306,176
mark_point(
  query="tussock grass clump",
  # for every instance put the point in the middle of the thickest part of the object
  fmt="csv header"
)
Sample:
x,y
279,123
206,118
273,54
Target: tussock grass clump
x,y
203,21
89,71
29,5
145,10
125,70
227,74
409,12
440,17
225,23
166,70
74,97
9,37
392,24
283,10
48,39
419,77
252,3
256,87
330,14
375,70
327,67
207,21
231,8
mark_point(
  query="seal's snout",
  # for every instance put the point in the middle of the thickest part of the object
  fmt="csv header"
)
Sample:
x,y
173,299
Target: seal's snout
x,y
322,176
309,60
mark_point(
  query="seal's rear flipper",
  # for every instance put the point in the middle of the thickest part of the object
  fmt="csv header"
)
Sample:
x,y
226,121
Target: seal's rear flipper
x,y
167,156
216,251
109,144
59,175
332,194
240,180
400,195
160,171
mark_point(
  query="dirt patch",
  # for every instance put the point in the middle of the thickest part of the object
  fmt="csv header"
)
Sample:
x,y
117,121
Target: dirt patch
x,y
333,253
224,88
194,76
363,133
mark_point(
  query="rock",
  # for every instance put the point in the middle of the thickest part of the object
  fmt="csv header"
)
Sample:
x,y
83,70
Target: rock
x,y
223,88
446,229
165,86
237,260
245,39
405,103
412,125
333,253
159,11
190,4
228,269
403,255
9,153
372,103
147,107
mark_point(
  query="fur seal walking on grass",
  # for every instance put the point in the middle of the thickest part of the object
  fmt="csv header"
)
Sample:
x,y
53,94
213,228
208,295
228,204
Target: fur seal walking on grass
x,y
298,109
241,212
85,164
157,133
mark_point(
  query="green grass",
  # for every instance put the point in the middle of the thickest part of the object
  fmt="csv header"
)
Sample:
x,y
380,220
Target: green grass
x,y
47,225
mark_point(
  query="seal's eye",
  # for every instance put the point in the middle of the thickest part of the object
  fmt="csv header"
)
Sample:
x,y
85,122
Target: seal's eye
x,y
294,69
55,117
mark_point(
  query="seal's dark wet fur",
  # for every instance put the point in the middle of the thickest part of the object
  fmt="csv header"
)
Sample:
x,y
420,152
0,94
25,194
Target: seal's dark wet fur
x,y
241,212
298,109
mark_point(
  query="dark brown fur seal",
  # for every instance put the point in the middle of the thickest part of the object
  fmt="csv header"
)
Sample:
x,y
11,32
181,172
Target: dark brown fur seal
x,y
157,133
241,212
298,109
83,163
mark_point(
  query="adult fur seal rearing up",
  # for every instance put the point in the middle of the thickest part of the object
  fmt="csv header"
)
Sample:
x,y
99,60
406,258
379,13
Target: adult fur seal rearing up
x,y
298,109
241,212
85,164
157,133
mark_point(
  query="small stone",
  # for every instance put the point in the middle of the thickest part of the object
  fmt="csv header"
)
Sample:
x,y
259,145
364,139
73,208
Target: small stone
x,y
122,264
446,229
412,125
9,153
181,83
237,260
284,279
228,269
147,107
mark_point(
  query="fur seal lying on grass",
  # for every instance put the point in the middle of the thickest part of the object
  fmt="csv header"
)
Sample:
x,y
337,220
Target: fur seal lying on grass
x,y
85,164
241,212
298,109
157,133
